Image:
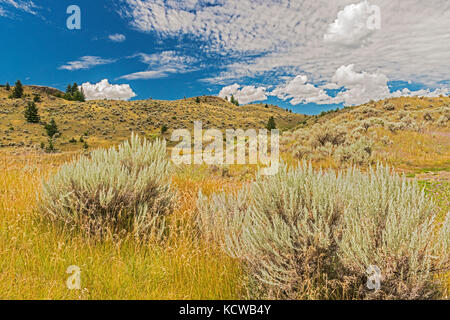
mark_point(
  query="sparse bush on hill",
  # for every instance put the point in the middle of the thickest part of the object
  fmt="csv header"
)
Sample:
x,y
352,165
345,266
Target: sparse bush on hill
x,y
358,153
37,98
442,121
7,86
124,189
306,234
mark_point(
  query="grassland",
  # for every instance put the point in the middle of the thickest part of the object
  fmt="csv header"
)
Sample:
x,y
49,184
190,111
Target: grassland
x,y
34,255
105,123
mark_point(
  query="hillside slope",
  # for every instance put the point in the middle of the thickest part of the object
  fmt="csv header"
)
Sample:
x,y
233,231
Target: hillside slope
x,y
104,123
409,132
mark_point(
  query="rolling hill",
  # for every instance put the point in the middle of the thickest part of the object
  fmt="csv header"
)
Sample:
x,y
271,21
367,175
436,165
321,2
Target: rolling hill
x,y
104,123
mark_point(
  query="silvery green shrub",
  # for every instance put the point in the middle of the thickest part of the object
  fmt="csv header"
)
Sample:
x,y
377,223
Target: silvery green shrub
x,y
357,153
123,189
307,234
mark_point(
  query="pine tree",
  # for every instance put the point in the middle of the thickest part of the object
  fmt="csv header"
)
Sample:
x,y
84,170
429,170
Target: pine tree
x,y
18,90
82,96
31,113
234,101
7,87
74,88
68,95
271,124
197,99
51,128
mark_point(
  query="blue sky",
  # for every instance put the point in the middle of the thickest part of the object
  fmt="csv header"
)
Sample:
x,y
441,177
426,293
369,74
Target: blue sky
x,y
307,56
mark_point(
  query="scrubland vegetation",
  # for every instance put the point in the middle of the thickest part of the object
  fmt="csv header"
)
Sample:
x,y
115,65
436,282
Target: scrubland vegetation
x,y
360,186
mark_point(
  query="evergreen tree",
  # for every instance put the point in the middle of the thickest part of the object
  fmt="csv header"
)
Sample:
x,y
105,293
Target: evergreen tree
x,y
271,124
7,87
31,113
18,90
197,99
74,93
51,147
51,128
234,101
74,88
82,96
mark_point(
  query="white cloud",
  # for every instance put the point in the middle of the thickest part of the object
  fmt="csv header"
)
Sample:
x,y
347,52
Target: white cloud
x,y
27,6
351,26
151,74
85,62
271,39
232,25
421,93
356,88
360,86
245,94
299,91
162,64
117,37
104,90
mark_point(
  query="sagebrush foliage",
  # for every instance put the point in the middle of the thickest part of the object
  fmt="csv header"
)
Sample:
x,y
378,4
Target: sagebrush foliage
x,y
124,189
306,234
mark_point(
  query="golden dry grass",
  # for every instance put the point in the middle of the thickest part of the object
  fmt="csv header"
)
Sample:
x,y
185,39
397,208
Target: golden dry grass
x,y
34,256
105,123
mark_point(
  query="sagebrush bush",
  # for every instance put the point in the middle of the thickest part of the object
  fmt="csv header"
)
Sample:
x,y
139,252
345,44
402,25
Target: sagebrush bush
x,y
124,189
306,234
320,135
358,153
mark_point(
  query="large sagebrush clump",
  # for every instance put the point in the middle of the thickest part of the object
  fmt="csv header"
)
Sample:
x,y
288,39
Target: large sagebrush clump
x,y
306,234
124,189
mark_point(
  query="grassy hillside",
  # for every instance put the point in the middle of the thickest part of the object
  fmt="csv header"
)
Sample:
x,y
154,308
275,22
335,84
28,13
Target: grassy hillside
x,y
325,216
103,123
409,133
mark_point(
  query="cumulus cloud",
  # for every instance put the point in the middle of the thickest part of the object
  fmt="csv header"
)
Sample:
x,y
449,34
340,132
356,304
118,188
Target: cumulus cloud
x,y
85,62
355,88
272,39
354,24
161,65
117,37
104,90
299,91
443,91
360,86
244,95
